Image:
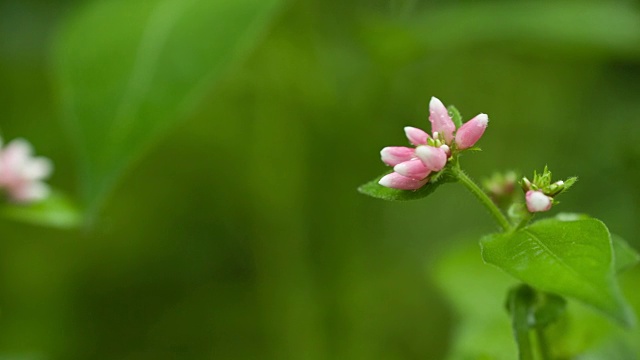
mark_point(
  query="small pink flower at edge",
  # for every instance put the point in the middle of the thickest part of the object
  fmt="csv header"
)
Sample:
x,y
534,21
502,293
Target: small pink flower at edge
x,y
21,174
537,201
397,181
471,131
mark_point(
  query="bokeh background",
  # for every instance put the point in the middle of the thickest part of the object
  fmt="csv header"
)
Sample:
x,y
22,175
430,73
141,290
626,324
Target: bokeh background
x,y
237,232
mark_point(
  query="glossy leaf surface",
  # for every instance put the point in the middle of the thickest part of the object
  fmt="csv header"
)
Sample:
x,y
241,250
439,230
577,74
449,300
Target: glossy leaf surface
x,y
569,258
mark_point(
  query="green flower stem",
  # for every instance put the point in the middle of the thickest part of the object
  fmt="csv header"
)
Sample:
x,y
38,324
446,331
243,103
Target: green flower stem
x,y
543,346
482,197
525,220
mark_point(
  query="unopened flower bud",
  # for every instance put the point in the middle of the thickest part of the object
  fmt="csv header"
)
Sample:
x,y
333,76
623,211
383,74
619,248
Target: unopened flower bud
x,y
526,184
556,188
397,181
414,169
394,155
416,136
441,120
471,131
433,158
537,201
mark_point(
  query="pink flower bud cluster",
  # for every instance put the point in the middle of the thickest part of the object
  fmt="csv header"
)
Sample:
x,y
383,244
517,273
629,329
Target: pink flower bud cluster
x,y
21,174
412,166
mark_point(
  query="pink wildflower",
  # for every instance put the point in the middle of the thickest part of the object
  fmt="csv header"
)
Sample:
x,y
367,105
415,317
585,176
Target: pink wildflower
x,y
441,120
416,136
394,155
471,131
397,181
433,158
21,174
537,201
412,166
414,169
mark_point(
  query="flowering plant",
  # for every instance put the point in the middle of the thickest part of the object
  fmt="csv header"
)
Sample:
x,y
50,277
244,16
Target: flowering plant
x,y
570,256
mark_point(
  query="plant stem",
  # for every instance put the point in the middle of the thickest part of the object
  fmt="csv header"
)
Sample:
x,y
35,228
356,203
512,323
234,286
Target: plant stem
x,y
482,197
543,346
525,220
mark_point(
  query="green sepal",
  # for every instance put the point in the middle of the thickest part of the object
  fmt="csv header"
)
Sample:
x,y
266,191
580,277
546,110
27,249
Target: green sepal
x,y
455,115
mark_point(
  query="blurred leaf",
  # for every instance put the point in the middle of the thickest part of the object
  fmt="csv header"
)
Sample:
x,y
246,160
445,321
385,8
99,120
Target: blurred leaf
x,y
56,211
625,256
575,29
569,258
520,303
373,189
482,328
532,310
455,115
129,70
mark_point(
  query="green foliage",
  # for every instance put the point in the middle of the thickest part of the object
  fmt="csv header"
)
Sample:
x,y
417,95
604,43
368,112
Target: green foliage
x,y
569,258
373,189
482,330
163,57
482,324
625,256
455,115
56,211
531,310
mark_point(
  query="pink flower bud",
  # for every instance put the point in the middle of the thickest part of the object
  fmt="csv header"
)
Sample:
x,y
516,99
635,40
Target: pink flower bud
x,y
433,158
440,120
394,155
414,169
537,201
397,181
471,131
416,136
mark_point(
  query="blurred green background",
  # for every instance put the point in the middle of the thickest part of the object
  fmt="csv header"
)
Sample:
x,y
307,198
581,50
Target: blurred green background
x,y
234,230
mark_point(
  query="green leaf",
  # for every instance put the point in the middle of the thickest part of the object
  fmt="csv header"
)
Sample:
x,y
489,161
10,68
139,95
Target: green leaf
x,y
130,70
373,189
56,211
625,256
569,258
455,115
